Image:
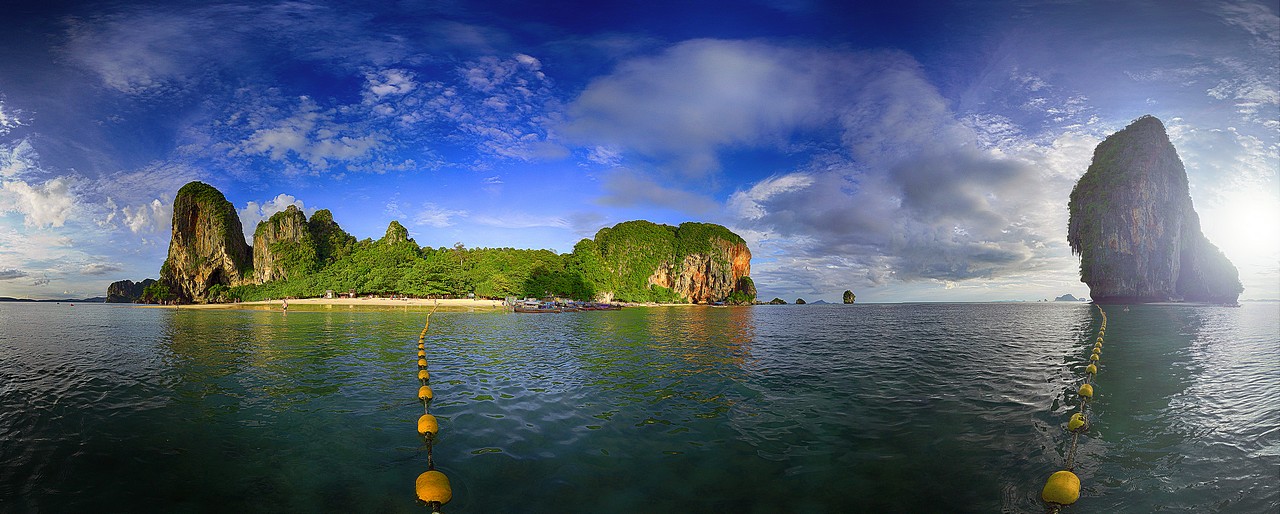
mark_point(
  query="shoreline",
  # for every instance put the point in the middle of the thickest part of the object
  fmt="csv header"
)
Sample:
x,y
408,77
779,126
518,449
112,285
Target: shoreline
x,y
311,304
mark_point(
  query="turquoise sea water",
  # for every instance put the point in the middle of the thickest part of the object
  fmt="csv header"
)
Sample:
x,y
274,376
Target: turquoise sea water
x,y
798,409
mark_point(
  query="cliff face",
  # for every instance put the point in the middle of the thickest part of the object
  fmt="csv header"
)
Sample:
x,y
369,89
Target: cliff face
x,y
1134,227
697,262
127,291
283,247
207,247
710,276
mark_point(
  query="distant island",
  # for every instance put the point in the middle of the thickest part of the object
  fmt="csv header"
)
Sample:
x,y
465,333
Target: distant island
x,y
96,299
1133,225
293,256
1066,298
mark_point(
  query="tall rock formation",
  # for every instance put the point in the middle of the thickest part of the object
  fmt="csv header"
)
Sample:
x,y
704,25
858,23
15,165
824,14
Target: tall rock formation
x,y
1134,227
332,243
127,291
696,262
284,247
207,247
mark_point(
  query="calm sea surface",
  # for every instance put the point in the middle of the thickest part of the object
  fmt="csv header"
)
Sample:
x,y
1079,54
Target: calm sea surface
x,y
796,409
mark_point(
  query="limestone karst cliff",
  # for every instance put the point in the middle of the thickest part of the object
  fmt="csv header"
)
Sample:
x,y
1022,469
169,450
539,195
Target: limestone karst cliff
x,y
127,291
207,247
292,256
1134,227
696,262
283,247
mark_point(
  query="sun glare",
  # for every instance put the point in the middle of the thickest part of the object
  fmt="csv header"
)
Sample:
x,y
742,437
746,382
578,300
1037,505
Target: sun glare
x,y
1246,226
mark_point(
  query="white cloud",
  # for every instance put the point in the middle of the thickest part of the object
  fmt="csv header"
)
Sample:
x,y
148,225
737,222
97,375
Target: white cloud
x,y
520,220
700,96
154,217
627,188
9,119
99,268
42,205
390,82
12,274
141,52
314,136
256,212
18,158
433,215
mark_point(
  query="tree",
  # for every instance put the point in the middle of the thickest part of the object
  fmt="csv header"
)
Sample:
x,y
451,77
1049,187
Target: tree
x,y
459,249
849,297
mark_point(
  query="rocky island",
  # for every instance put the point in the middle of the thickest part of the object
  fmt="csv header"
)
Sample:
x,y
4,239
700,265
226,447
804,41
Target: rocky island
x,y
291,256
127,291
1133,225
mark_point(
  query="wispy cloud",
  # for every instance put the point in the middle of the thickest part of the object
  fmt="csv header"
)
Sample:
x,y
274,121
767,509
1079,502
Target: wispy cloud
x,y
100,268
433,215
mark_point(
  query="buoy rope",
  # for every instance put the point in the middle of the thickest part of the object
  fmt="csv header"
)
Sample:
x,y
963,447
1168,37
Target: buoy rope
x,y
1063,487
432,487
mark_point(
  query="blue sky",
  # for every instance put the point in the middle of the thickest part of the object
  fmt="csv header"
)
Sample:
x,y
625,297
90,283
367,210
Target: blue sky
x,y
919,152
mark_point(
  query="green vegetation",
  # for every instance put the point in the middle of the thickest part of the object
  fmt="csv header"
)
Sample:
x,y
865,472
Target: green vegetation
x,y
619,260
849,297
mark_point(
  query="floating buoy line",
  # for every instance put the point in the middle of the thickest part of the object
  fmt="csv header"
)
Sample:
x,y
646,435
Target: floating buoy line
x,y
1063,487
432,487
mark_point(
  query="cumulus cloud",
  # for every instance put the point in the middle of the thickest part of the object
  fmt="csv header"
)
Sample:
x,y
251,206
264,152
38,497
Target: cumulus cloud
x,y
910,190
41,204
257,212
154,217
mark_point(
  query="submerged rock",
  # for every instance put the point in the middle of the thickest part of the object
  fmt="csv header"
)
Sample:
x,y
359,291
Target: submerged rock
x,y
1134,227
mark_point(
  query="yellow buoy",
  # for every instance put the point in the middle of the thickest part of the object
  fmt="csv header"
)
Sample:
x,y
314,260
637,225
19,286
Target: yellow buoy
x,y
422,363
423,375
424,393
1093,357
1096,351
421,346
1085,391
1077,421
1092,370
1062,488
433,487
428,426
422,353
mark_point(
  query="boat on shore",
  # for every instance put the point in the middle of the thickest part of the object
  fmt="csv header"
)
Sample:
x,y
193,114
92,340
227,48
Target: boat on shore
x,y
541,307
